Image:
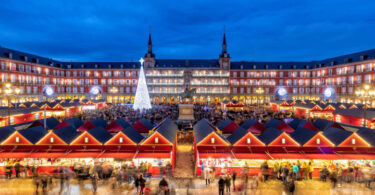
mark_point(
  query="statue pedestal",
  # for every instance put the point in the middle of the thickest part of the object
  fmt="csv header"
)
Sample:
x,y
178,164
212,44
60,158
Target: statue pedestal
x,y
186,112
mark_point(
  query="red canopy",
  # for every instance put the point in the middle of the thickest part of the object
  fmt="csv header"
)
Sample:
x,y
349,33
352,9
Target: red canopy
x,y
87,126
215,155
285,127
230,128
251,156
310,126
114,127
141,128
61,125
257,128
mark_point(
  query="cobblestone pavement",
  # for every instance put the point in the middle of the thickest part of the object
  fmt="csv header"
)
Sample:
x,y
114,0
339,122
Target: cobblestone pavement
x,y
273,187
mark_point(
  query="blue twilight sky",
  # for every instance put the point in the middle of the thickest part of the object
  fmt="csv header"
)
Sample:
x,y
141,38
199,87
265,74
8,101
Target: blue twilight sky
x,y
264,30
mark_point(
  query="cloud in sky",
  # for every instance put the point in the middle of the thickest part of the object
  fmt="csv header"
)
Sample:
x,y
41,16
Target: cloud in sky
x,y
268,30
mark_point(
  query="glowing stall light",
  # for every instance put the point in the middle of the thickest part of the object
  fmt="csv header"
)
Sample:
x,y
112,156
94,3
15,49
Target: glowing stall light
x,y
281,92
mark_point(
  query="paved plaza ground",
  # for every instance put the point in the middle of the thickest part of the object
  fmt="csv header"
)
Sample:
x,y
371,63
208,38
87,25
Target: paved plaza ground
x,y
272,187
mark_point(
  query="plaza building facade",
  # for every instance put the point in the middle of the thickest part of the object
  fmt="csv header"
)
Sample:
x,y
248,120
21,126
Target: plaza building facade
x,y
335,79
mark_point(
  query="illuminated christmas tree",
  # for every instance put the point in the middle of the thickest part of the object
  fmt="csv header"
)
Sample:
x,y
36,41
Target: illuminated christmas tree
x,y
142,98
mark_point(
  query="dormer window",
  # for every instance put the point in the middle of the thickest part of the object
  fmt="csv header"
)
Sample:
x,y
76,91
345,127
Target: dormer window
x,y
348,60
96,66
69,66
82,66
24,58
35,60
283,140
248,141
109,65
156,140
318,141
86,140
280,67
17,139
51,139
334,63
212,140
254,67
121,140
266,66
241,66
122,65
8,55
353,141
364,57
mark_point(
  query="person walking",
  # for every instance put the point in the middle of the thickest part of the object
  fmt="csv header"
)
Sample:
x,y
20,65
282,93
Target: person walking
x,y
136,183
221,185
17,168
44,180
94,182
37,183
206,175
284,174
228,181
311,169
142,183
295,171
333,178
291,186
234,175
163,186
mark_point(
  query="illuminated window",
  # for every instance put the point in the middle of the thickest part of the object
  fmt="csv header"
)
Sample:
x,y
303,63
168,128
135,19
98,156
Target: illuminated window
x,y
318,141
212,140
282,140
121,140
248,141
362,122
86,140
353,141
156,140
51,139
17,139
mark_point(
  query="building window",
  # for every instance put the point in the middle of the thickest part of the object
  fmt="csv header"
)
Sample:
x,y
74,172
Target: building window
x,y
248,141
51,139
86,140
156,140
353,141
121,140
212,140
283,141
17,139
318,141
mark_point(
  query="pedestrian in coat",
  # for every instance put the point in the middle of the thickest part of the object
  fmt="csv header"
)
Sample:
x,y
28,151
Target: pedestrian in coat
x,y
234,175
228,180
206,175
221,185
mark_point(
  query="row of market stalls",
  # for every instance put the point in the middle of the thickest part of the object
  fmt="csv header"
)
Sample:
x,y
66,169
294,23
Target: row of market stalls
x,y
29,111
323,141
354,114
72,142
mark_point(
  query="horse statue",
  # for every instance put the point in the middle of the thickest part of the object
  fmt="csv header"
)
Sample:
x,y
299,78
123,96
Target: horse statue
x,y
188,93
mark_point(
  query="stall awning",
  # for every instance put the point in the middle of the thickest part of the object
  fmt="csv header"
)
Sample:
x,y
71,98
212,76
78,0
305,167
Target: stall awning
x,y
251,156
45,155
215,155
153,155
118,155
14,155
81,155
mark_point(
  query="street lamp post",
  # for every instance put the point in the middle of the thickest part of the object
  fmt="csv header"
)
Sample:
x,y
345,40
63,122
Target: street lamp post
x,y
9,92
47,92
259,91
366,93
